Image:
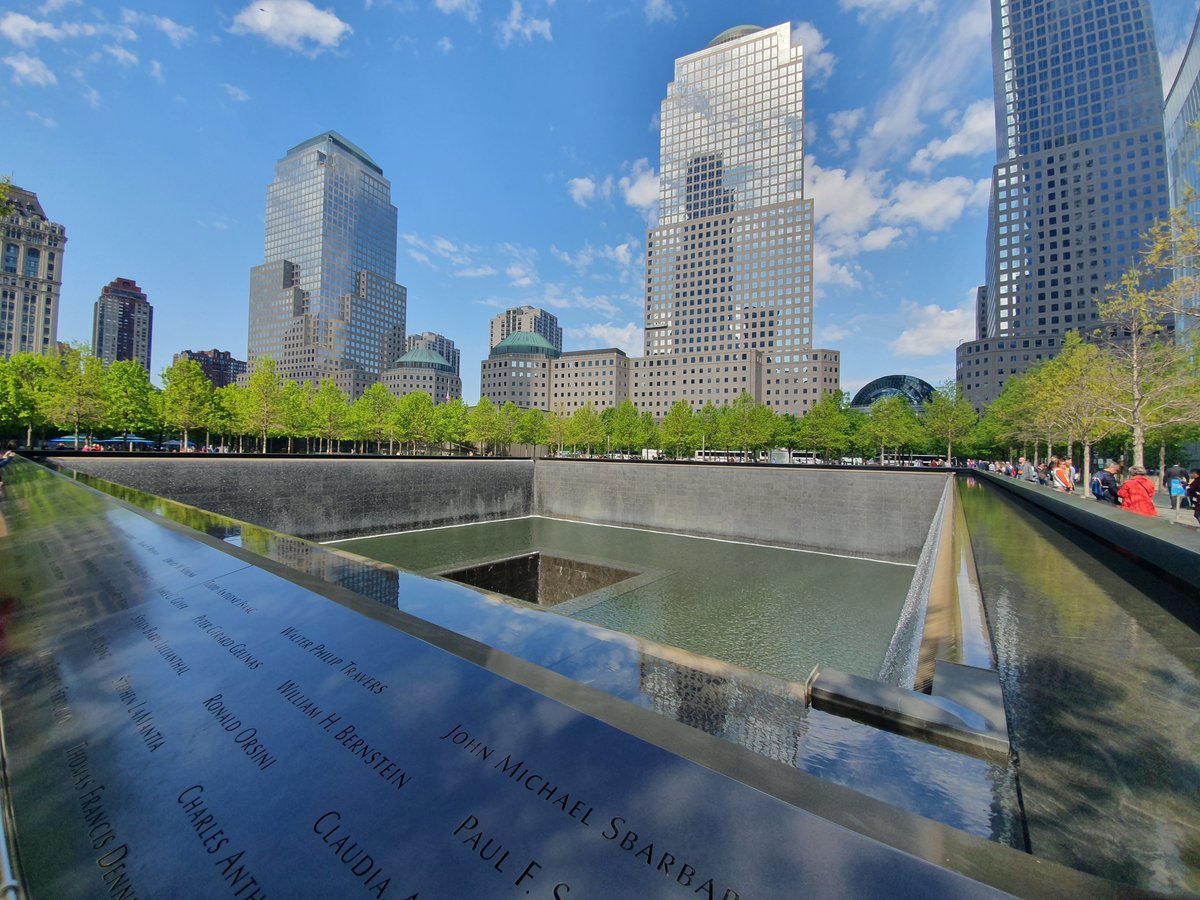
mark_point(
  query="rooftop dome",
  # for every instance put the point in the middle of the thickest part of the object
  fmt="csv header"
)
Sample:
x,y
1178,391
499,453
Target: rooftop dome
x,y
732,34
915,390
423,358
525,342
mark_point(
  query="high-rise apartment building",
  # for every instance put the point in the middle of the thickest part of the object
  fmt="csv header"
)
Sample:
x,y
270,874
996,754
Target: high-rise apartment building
x,y
122,323
31,281
219,366
325,302
1080,175
1181,117
529,319
729,269
438,343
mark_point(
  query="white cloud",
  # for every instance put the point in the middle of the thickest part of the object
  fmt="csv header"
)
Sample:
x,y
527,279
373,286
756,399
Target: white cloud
x,y
626,337
469,8
659,11
177,34
818,62
30,70
830,334
91,96
882,9
845,202
879,238
842,125
40,119
121,55
53,6
975,135
156,70
295,24
456,254
422,258
235,92
25,32
935,205
932,330
582,190
520,275
932,70
476,272
640,190
517,25
1169,61
445,44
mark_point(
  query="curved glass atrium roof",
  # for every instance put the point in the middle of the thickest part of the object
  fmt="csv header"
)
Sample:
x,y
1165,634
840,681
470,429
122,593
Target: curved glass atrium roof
x,y
913,389
732,34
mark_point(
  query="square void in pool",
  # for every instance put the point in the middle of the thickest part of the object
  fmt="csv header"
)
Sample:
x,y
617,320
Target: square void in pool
x,y
541,578
769,609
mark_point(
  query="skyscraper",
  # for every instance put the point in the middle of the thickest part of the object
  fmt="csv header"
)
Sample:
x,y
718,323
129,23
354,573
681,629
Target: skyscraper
x,y
438,343
529,319
729,274
325,302
31,282
122,322
1181,115
1080,174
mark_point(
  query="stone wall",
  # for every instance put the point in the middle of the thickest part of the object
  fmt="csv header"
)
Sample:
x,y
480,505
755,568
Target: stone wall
x,y
322,499
857,512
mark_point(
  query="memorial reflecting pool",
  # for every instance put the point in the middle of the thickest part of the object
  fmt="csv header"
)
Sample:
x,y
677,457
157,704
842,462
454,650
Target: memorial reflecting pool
x,y
772,610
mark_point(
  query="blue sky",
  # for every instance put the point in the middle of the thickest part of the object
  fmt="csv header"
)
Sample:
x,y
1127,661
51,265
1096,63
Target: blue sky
x,y
521,141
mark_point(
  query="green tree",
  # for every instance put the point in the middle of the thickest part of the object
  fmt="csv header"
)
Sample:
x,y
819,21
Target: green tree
x,y
1150,377
509,416
585,430
330,410
264,389
76,397
533,428
892,423
649,436
948,417
560,424
625,426
130,397
710,423
826,427
295,411
5,206
26,383
680,431
483,425
224,413
374,414
187,397
452,422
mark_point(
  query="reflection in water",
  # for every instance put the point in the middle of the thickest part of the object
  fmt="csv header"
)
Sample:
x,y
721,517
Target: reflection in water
x,y
750,710
1101,676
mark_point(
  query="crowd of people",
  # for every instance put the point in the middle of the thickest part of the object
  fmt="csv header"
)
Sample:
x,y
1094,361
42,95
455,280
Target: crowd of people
x,y
1132,490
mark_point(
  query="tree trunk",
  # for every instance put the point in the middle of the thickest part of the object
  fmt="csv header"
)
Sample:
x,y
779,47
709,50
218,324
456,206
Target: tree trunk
x,y
1087,466
1162,463
1139,443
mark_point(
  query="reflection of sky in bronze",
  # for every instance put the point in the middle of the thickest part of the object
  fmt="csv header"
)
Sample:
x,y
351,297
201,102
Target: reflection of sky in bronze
x,y
1100,664
775,611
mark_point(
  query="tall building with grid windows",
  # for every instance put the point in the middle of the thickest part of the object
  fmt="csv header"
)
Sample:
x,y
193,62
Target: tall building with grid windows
x,y
325,302
122,323
1080,174
31,280
729,274
1181,115
529,319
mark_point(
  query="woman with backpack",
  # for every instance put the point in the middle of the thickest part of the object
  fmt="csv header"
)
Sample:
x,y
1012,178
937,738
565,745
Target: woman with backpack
x,y
1137,493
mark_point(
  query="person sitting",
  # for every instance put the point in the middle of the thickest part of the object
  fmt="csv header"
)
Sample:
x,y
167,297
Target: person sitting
x,y
1137,493
1107,489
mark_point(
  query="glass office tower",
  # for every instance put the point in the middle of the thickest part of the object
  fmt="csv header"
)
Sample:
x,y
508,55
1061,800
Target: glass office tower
x,y
729,289
1080,175
1182,119
325,302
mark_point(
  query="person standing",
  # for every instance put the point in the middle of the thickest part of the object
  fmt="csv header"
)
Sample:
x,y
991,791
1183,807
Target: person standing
x,y
1193,493
1060,475
1137,493
1175,480
5,459
1028,472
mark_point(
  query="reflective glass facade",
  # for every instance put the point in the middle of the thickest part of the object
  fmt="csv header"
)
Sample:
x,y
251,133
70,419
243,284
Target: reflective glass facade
x,y
325,300
729,269
1080,175
1183,146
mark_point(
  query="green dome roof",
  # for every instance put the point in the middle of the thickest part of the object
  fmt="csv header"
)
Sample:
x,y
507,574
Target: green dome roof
x,y
423,358
525,342
732,34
